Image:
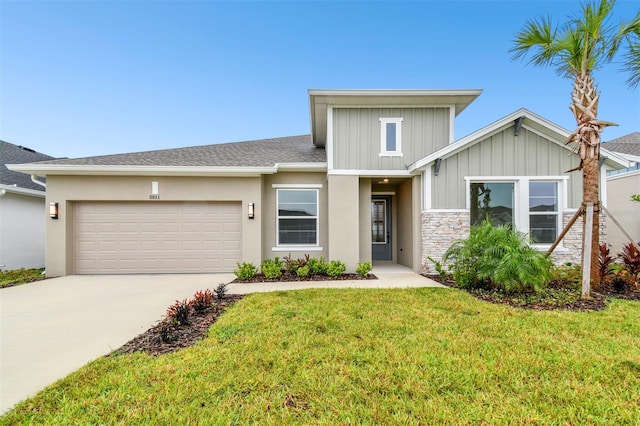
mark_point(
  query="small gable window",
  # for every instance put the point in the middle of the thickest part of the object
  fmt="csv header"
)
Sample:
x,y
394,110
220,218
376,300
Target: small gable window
x,y
391,136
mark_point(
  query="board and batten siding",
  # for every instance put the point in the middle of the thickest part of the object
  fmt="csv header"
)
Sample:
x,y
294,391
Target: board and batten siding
x,y
504,154
357,136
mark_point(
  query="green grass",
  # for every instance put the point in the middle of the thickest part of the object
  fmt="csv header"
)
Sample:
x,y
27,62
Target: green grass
x,y
418,356
20,276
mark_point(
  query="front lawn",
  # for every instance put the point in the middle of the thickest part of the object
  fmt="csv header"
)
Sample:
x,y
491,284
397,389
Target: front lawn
x,y
369,357
20,276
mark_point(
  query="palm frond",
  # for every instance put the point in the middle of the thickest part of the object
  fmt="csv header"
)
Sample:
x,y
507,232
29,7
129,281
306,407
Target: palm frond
x,y
539,36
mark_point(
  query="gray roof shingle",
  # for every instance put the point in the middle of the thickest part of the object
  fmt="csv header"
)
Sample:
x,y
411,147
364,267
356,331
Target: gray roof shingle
x,y
628,144
260,153
15,154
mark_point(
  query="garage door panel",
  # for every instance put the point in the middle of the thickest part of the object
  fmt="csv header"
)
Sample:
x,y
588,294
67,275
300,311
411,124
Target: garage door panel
x,y
153,237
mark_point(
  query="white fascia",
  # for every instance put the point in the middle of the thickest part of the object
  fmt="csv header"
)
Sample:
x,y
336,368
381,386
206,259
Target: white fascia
x,y
22,191
59,169
329,141
371,173
302,167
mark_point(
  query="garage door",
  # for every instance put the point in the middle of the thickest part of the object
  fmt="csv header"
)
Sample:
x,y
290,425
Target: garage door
x,y
156,237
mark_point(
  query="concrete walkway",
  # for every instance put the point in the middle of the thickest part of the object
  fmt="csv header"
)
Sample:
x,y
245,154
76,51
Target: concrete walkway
x,y
51,328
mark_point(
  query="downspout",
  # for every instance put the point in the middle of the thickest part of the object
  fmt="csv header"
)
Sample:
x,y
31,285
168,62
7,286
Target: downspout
x,y
34,180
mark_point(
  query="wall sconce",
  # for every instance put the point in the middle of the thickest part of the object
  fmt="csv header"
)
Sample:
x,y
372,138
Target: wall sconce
x,y
252,210
53,210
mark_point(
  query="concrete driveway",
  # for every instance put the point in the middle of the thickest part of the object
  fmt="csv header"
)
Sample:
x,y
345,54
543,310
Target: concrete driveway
x,y
51,328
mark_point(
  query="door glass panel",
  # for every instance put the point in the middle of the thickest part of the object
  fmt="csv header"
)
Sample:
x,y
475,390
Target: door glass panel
x,y
378,221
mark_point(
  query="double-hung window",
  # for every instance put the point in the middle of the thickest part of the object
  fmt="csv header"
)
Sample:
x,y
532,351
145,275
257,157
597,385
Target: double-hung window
x,y
297,220
391,136
528,204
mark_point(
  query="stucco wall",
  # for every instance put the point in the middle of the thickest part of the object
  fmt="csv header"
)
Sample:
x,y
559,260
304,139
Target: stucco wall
x,y
267,213
66,190
22,231
627,212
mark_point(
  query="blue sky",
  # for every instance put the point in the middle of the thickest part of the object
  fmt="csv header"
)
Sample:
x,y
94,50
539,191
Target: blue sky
x,y
84,78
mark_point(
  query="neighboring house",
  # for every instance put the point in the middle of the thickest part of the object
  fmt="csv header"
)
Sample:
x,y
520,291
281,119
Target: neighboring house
x,y
22,211
621,184
380,178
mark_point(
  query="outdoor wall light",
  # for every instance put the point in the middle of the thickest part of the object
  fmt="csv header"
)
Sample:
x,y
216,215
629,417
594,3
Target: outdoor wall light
x,y
252,211
53,210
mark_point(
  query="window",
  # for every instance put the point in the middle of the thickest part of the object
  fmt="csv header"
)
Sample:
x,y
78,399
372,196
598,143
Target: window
x,y
297,217
493,201
391,136
379,222
527,204
543,212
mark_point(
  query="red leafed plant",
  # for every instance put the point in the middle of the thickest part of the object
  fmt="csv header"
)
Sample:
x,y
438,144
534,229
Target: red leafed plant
x,y
630,256
202,301
605,260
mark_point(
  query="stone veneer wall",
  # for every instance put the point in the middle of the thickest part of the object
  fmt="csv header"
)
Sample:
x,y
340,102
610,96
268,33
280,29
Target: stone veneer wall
x,y
440,228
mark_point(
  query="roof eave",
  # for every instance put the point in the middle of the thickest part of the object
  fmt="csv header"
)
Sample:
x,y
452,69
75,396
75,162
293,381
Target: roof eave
x,y
67,169
22,191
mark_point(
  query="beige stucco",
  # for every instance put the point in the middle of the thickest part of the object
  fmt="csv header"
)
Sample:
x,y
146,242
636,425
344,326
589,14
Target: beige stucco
x,y
626,212
343,214
365,220
67,190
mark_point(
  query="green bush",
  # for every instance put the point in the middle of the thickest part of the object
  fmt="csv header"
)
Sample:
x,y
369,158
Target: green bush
x,y
317,266
336,268
245,271
498,257
303,271
272,268
363,269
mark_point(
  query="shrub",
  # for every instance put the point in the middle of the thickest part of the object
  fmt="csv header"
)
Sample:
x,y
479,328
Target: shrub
x,y
630,256
439,268
292,265
566,274
604,260
167,330
317,266
272,268
303,271
245,271
180,312
498,257
202,301
363,269
221,291
336,268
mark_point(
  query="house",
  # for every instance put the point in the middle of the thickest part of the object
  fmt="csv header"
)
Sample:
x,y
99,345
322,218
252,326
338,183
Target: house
x,y
621,184
380,178
22,208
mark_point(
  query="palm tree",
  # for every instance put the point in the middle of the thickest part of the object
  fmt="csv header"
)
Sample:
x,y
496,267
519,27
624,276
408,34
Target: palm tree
x,y
576,49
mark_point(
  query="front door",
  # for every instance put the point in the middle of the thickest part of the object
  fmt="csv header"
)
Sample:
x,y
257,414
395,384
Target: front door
x,y
381,227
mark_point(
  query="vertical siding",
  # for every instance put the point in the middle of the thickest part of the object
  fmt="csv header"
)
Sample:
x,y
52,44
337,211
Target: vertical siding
x,y
504,154
357,136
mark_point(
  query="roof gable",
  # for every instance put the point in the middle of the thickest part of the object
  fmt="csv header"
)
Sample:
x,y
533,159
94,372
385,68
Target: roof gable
x,y
520,118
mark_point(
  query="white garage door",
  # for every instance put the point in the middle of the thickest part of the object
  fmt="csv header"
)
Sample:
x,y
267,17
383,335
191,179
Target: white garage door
x,y
156,237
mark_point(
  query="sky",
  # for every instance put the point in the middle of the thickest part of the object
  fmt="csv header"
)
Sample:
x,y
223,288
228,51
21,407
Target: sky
x,y
85,78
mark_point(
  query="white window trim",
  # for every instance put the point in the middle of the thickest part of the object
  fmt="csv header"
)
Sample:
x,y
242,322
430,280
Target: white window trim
x,y
383,136
521,198
297,247
297,186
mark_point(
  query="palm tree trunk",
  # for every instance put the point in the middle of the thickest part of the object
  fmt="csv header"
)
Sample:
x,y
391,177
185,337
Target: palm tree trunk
x,y
587,139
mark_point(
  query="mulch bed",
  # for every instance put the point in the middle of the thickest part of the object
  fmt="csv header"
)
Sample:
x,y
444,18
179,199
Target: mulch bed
x,y
182,336
287,277
596,302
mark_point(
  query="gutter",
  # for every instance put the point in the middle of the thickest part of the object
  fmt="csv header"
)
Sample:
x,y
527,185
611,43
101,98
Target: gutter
x,y
36,181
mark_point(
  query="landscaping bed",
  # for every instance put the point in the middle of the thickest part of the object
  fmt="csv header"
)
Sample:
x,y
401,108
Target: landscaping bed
x,y
287,277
